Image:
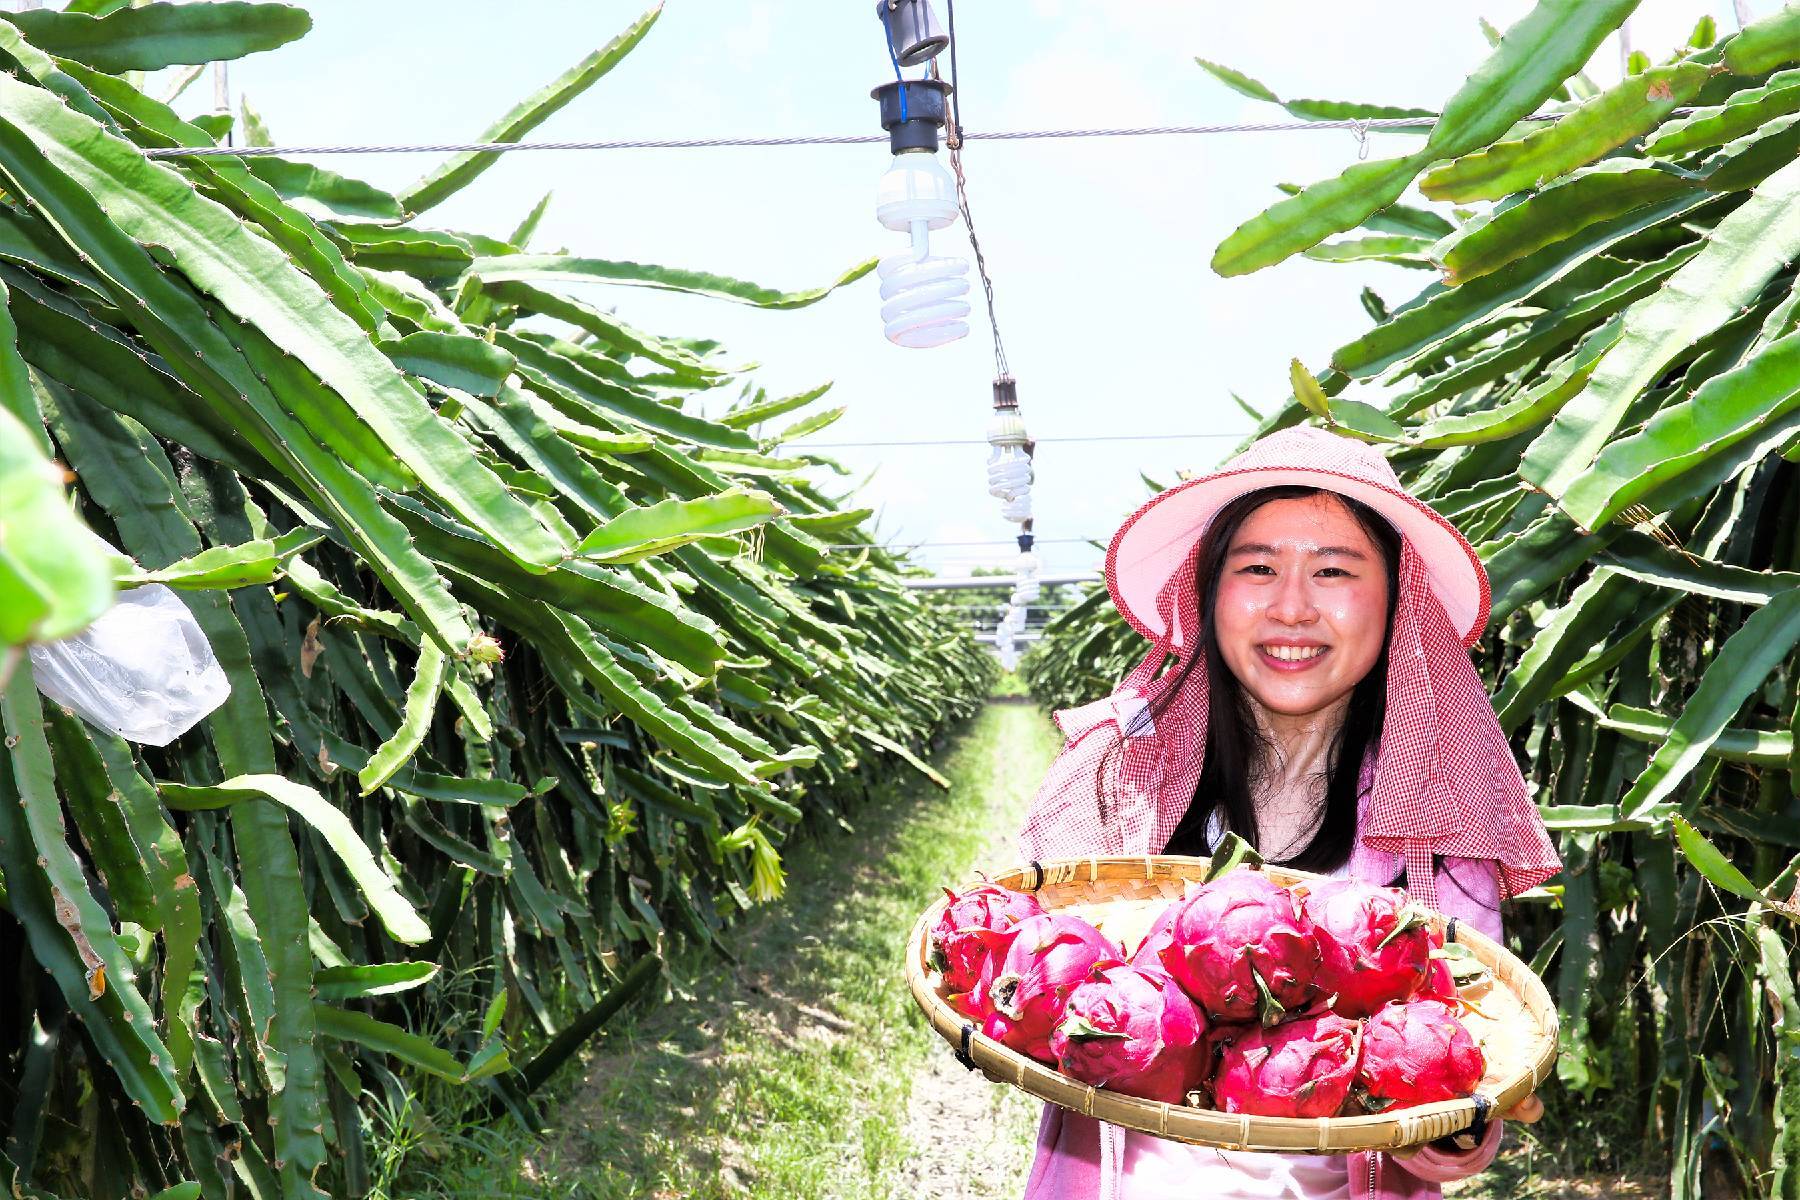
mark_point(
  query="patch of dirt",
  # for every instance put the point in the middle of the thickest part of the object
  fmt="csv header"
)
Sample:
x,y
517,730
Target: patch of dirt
x,y
967,1135
974,1139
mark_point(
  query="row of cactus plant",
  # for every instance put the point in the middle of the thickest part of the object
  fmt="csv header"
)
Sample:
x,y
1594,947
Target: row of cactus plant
x,y
541,637
1600,390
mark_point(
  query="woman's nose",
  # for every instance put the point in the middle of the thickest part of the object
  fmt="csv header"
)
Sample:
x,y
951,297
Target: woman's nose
x,y
1292,602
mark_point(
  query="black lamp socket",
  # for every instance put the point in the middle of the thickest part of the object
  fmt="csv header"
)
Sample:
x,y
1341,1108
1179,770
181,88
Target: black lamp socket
x,y
925,105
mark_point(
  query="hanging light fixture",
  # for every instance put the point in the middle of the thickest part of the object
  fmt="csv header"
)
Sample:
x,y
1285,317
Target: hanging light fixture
x,y
1026,588
1011,624
1027,564
913,33
1009,460
923,295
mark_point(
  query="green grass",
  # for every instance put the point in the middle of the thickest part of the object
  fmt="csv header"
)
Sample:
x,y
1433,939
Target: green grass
x,y
733,1088
1010,686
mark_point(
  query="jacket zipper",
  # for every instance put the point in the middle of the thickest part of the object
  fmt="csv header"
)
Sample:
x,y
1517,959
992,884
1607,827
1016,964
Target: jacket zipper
x,y
1373,1156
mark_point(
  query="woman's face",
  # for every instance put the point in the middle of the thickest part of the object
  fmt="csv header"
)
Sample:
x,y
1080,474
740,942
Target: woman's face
x,y
1301,610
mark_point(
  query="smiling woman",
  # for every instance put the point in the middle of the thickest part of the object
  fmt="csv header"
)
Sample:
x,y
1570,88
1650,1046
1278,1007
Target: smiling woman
x,y
1322,705
1297,588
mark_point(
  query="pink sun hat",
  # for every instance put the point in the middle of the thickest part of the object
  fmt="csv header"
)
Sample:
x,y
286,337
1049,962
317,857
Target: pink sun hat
x,y
1159,539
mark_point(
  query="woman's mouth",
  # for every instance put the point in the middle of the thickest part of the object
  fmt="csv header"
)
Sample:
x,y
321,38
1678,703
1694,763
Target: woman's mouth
x,y
1291,658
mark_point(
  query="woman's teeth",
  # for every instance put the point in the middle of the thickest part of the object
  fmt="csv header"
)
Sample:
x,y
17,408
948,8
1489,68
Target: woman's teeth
x,y
1293,653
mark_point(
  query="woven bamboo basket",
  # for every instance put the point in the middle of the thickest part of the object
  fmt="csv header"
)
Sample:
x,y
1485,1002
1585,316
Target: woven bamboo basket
x,y
1516,1026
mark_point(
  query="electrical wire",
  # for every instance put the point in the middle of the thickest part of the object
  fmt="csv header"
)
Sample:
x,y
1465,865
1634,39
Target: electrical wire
x,y
956,136
1108,437
954,142
1374,125
887,28
1004,387
934,545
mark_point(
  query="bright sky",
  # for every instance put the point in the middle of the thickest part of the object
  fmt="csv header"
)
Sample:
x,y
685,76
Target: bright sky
x,y
1114,323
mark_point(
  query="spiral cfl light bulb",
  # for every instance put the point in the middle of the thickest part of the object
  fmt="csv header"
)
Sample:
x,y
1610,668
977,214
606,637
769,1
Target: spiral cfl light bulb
x,y
1009,473
1009,467
923,295
1015,620
1026,588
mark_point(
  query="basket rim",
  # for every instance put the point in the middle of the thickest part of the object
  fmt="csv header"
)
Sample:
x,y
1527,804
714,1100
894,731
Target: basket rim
x,y
1206,1126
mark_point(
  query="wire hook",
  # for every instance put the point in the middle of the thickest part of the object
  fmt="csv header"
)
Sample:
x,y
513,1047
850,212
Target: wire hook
x,y
1361,129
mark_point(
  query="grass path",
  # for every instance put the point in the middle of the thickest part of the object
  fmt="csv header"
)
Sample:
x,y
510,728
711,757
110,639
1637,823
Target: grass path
x,y
806,1071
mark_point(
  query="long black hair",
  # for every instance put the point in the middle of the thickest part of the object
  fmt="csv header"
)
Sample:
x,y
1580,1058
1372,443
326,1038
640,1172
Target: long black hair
x,y
1236,750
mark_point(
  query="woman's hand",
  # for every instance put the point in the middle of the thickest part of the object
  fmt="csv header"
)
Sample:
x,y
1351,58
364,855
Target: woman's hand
x,y
1526,1111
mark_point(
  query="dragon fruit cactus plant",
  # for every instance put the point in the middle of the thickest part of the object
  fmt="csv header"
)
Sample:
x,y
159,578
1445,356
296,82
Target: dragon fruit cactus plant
x,y
1300,1068
972,936
1416,1053
1241,947
1049,956
1374,946
1132,1030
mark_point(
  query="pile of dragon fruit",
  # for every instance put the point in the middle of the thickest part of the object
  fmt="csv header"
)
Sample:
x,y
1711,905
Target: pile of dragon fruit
x,y
1245,996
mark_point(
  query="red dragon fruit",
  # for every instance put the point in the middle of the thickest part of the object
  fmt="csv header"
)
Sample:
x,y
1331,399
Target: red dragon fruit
x,y
1212,1049
1299,1068
1375,947
1416,1053
1241,948
1049,956
1148,955
974,1003
1439,984
1453,968
972,935
1132,1030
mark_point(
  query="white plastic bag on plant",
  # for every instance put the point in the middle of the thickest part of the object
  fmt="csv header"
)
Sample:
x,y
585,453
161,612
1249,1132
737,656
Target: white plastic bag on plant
x,y
143,669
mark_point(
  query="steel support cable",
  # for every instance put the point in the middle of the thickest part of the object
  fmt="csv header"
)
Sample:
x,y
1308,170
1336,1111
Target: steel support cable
x,y
1374,125
803,447
908,545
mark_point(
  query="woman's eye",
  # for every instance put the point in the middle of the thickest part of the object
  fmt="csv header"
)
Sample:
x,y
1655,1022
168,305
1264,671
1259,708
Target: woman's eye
x,y
1254,567
1336,570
